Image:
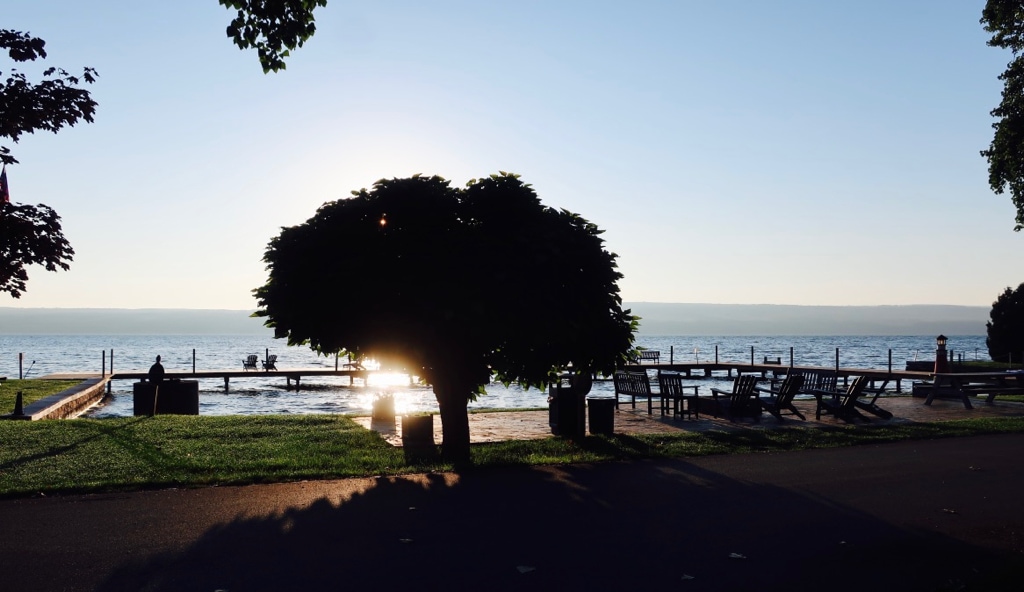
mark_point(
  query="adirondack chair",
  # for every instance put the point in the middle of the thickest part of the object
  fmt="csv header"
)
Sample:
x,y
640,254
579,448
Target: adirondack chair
x,y
633,384
271,362
871,404
672,390
843,406
742,401
815,380
251,362
782,400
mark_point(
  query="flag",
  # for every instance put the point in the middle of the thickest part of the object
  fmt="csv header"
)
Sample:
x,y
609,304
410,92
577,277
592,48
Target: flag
x,y
5,192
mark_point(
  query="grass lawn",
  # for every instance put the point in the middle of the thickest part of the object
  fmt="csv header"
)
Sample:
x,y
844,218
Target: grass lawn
x,y
31,390
115,454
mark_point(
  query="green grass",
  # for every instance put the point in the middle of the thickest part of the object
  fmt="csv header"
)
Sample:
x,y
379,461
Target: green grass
x,y
140,452
117,454
31,390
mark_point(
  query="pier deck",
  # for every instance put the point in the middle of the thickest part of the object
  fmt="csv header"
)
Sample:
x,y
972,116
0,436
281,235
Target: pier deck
x,y
227,375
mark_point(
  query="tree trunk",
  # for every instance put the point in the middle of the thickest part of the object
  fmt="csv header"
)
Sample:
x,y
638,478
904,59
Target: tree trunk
x,y
453,400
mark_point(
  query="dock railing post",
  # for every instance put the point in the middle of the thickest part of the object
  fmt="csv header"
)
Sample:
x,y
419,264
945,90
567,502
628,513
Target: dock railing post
x,y
670,354
751,355
104,371
791,357
193,361
716,355
890,360
21,360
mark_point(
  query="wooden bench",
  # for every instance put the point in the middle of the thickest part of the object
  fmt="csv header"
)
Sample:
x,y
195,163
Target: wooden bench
x,y
633,385
650,355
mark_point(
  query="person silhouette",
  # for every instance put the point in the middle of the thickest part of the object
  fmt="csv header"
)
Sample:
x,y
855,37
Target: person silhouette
x,y
156,371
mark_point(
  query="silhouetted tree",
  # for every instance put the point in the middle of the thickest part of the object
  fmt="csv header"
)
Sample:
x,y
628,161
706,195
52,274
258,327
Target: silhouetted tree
x,y
1006,328
452,285
1005,20
50,105
32,234
29,235
273,27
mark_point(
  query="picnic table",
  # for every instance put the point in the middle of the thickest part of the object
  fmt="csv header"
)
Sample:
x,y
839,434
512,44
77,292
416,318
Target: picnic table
x,y
961,385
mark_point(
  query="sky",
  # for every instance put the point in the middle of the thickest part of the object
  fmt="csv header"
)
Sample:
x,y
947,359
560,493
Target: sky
x,y
789,152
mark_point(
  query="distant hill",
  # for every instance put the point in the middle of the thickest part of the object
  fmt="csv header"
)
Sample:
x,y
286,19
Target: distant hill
x,y
657,319
123,321
771,319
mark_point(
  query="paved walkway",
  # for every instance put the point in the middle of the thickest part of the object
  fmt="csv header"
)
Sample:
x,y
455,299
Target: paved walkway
x,y
533,425
939,515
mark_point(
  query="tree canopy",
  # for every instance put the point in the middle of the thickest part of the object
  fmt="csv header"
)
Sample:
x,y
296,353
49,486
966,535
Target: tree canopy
x,y
49,105
452,285
1004,19
1005,339
29,235
273,27
32,234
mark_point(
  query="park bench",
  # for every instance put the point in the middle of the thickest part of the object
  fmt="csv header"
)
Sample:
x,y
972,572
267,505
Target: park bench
x,y
633,385
650,355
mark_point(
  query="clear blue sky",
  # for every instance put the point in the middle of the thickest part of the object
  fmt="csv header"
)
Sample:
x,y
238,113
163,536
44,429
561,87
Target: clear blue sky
x,y
790,152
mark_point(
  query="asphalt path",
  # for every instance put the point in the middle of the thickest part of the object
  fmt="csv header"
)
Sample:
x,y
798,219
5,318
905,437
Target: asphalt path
x,y
922,515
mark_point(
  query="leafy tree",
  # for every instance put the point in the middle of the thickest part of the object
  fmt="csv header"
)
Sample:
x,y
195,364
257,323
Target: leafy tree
x,y
1005,20
452,285
1005,339
29,235
50,105
273,27
32,234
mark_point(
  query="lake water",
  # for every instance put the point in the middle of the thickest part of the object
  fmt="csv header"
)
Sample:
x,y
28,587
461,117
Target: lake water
x,y
260,394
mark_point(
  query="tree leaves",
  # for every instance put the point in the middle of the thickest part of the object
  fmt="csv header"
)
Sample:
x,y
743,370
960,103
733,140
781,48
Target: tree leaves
x,y
1005,330
52,104
471,281
273,27
29,235
1005,20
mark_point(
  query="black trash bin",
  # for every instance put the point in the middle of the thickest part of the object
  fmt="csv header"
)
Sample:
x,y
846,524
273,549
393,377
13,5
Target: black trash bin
x,y
602,414
566,413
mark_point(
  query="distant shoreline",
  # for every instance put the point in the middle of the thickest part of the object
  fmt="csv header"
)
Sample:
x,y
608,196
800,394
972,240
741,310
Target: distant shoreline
x,y
657,319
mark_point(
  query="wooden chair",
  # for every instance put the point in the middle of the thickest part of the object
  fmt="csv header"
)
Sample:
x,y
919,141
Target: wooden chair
x,y
871,405
742,401
815,380
633,384
672,390
251,363
782,400
271,363
843,405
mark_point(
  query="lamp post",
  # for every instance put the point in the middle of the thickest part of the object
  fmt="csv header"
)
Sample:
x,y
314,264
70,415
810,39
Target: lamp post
x,y
941,360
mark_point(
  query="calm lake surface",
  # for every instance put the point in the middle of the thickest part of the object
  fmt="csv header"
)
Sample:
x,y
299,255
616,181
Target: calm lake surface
x,y
257,394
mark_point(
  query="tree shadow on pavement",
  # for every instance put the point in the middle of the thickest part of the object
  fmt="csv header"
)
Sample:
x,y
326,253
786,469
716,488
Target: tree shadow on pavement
x,y
616,526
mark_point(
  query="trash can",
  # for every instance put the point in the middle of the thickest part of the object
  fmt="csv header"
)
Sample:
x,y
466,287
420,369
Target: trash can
x,y
602,414
566,413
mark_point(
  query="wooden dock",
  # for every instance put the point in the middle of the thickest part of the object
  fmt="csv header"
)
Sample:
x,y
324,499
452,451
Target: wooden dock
x,y
226,375
690,369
